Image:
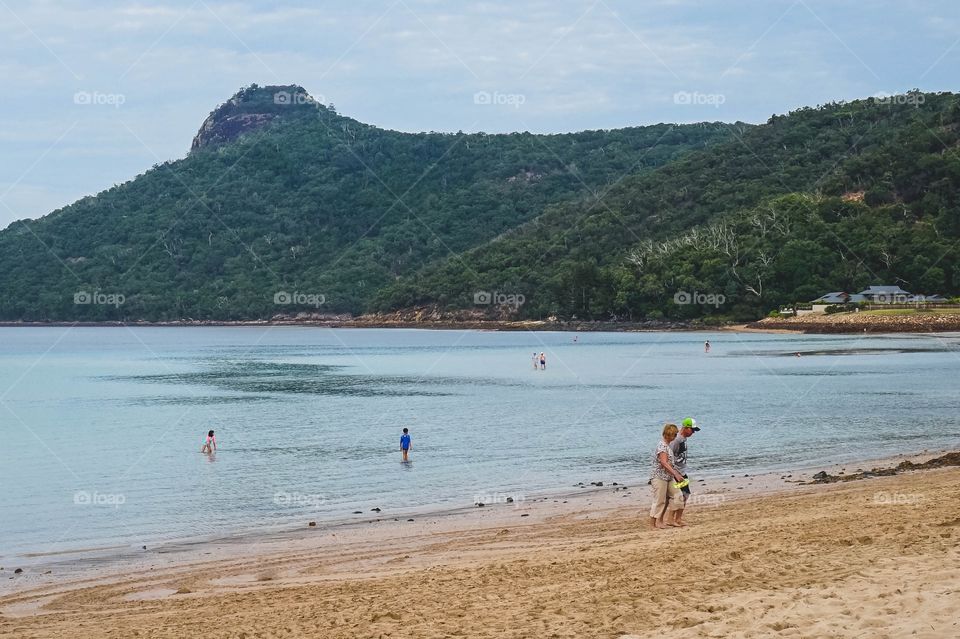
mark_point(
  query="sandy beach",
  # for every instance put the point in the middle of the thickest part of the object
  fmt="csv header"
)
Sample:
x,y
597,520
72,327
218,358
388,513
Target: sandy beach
x,y
763,556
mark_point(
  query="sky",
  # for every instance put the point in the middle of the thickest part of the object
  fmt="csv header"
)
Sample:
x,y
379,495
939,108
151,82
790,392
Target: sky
x,y
96,93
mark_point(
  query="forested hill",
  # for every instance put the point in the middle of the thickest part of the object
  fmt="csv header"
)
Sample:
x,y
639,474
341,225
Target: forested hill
x,y
833,198
283,205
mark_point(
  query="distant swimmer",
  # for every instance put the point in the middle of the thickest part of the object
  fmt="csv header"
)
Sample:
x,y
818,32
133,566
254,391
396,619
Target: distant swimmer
x,y
574,339
210,444
706,346
405,444
543,362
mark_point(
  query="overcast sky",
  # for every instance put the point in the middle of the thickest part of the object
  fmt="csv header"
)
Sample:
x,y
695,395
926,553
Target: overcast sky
x,y
97,92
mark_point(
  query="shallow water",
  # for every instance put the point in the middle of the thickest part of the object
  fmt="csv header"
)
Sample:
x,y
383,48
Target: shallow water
x,y
101,427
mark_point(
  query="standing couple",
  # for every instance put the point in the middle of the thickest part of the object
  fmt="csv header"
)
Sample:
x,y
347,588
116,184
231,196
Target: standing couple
x,y
541,360
671,488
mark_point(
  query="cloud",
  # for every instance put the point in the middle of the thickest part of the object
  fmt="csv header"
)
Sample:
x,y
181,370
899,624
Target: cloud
x,y
416,64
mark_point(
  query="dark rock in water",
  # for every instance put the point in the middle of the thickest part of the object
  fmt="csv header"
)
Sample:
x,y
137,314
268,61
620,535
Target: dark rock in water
x,y
614,484
18,571
144,547
358,512
409,520
821,475
525,515
509,500
312,523
374,510
480,504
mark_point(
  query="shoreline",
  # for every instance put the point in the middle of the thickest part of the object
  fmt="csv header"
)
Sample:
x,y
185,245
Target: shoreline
x,y
479,325
802,326
875,553
46,569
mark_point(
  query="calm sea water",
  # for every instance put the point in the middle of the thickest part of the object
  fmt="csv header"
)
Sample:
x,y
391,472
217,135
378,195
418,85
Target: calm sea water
x,y
101,427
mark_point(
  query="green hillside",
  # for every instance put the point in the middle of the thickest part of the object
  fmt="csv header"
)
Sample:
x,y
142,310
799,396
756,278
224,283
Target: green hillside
x,y
282,195
822,199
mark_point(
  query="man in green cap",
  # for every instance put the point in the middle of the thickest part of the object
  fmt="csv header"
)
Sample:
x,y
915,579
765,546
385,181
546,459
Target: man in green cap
x,y
679,446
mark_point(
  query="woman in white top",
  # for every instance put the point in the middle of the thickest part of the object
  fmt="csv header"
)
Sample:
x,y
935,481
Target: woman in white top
x,y
663,477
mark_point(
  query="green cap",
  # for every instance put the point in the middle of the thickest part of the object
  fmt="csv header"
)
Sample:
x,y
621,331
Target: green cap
x,y
691,423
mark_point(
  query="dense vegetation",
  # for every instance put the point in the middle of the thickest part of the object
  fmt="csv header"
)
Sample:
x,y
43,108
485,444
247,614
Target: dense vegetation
x,y
823,199
289,196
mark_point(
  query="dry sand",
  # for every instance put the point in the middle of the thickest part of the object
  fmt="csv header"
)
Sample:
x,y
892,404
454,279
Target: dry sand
x,y
875,558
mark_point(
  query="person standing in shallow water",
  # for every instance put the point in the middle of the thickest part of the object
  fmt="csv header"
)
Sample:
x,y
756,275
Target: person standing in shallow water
x,y
405,445
210,444
706,346
536,361
543,362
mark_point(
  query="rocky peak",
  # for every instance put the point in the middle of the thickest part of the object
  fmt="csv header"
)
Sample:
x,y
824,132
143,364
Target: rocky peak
x,y
250,109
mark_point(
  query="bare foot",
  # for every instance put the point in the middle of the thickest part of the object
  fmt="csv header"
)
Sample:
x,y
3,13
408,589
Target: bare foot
x,y
680,524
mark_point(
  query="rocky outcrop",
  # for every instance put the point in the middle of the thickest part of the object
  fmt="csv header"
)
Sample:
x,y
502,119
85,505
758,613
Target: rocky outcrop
x,y
919,322
252,109
949,459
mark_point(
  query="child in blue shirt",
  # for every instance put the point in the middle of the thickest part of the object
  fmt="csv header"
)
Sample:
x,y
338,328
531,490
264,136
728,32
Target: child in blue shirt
x,y
405,444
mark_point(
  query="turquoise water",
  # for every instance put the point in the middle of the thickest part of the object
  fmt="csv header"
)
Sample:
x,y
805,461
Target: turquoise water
x,y
101,427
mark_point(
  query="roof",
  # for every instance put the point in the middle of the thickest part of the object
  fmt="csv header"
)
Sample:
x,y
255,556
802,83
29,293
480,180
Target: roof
x,y
839,297
884,290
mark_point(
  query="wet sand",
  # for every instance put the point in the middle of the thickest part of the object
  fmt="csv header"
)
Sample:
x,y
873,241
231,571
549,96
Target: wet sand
x,y
763,556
